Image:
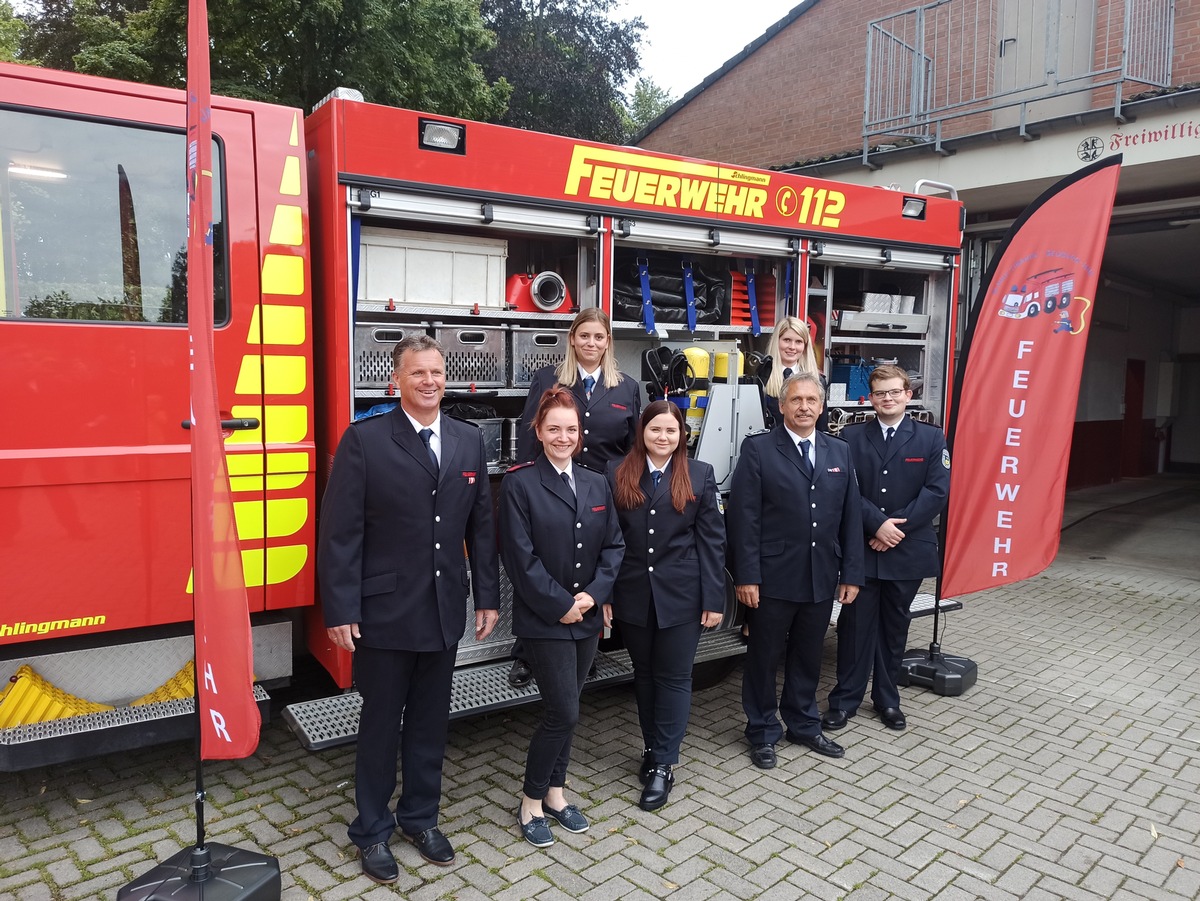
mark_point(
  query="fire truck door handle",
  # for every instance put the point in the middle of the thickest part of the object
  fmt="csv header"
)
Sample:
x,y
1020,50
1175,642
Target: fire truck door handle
x,y
230,425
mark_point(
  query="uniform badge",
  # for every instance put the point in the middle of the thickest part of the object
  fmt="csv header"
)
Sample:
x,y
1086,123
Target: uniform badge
x,y
945,458
470,477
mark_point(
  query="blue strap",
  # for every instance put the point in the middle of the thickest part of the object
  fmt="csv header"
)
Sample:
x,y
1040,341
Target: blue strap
x,y
787,284
643,267
689,292
355,254
755,328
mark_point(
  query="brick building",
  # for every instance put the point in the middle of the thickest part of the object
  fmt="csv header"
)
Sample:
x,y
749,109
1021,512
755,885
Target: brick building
x,y
1000,98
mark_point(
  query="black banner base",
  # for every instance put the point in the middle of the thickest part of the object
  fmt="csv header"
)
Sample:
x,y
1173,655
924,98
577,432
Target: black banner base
x,y
945,674
221,874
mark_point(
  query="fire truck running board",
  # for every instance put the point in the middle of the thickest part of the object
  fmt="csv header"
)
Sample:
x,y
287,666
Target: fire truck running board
x,y
330,722
106,732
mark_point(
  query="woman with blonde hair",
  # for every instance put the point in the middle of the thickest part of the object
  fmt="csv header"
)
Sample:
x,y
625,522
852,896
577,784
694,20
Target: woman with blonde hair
x,y
789,351
609,401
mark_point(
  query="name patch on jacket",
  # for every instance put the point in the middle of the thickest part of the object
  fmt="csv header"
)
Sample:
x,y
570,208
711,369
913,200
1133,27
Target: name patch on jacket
x,y
618,406
600,509
470,477
834,469
914,459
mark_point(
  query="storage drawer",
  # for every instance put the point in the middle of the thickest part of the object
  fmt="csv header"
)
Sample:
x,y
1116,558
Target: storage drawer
x,y
373,343
475,355
898,324
532,349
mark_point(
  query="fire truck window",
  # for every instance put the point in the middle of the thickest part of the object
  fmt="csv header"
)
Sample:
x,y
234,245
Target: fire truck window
x,y
93,222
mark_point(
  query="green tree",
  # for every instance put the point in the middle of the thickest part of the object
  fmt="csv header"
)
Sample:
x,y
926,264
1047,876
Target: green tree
x,y
565,60
10,32
417,53
646,103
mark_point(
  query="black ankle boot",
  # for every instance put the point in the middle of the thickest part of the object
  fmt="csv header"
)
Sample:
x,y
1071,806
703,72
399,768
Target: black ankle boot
x,y
658,788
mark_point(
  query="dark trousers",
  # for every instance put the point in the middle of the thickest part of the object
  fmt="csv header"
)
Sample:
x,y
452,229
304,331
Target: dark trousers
x,y
796,631
872,633
413,688
561,668
662,681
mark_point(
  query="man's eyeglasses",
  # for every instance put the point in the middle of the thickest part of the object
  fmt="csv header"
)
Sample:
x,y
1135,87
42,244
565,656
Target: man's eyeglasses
x,y
894,392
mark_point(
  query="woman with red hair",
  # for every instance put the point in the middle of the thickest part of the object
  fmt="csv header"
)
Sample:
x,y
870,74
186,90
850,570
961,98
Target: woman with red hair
x,y
561,546
671,585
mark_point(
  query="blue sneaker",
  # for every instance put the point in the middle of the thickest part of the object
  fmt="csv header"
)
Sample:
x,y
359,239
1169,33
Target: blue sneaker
x,y
569,817
536,831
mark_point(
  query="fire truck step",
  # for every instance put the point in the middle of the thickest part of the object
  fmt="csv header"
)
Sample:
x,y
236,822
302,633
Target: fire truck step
x,y
329,722
104,732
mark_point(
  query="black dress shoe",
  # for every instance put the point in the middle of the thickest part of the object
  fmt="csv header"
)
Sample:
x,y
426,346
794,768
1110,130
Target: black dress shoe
x,y
646,767
834,719
378,865
763,756
520,675
658,788
892,717
433,846
818,743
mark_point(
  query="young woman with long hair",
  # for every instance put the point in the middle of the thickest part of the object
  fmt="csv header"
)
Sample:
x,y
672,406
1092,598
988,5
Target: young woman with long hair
x,y
671,585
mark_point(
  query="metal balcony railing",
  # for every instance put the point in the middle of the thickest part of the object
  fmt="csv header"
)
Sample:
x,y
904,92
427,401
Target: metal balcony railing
x,y
956,67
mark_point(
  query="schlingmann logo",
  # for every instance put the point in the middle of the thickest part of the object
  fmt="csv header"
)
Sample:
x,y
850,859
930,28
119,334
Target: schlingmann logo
x,y
50,625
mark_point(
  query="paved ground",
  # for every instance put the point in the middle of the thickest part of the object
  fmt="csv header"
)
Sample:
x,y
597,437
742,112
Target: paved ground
x,y
1071,770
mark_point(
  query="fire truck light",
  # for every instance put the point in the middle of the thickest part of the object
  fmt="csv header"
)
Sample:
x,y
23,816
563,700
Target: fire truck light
x,y
34,172
914,208
443,136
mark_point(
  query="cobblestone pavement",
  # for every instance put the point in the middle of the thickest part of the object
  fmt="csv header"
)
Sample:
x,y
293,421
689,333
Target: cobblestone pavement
x,y
1071,770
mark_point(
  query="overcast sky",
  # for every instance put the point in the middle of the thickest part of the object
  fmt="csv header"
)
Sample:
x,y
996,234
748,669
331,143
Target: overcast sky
x,y
686,40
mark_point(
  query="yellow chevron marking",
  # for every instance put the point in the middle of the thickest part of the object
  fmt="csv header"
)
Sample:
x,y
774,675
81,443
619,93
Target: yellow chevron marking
x,y
284,424
283,275
287,227
281,324
289,184
284,516
285,562
277,374
294,140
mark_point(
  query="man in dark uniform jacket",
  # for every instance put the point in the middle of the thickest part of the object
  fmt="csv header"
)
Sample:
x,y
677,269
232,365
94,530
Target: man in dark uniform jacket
x,y
904,474
405,491
795,527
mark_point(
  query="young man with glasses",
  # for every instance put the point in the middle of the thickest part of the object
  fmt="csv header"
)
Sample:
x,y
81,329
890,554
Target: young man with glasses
x,y
903,472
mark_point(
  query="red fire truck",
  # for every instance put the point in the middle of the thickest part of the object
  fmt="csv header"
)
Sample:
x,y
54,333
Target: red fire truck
x,y
335,235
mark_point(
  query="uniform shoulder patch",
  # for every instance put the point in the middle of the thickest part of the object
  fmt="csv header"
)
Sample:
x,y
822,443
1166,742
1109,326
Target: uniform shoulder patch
x,y
945,458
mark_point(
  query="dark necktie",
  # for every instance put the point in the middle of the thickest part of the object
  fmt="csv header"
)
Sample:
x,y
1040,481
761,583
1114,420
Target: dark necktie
x,y
588,384
805,463
567,481
787,374
426,434
655,477
887,441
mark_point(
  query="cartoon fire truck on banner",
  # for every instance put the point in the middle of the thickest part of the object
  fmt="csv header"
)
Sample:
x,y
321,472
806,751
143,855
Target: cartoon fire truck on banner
x,y
335,235
1043,292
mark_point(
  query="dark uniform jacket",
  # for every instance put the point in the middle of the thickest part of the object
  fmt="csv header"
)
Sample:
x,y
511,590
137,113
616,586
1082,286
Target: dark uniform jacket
x,y
795,539
673,560
907,480
555,545
390,551
609,419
